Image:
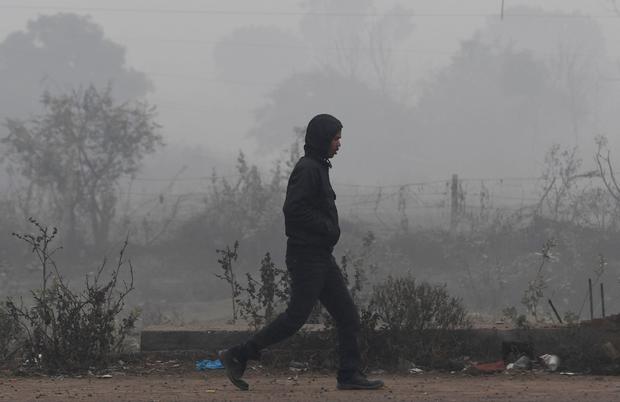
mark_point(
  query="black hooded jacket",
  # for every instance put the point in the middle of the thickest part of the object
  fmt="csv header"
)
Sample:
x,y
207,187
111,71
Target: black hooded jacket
x,y
310,214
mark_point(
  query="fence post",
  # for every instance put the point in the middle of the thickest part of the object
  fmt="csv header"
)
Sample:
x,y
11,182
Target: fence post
x,y
555,311
602,300
454,202
591,303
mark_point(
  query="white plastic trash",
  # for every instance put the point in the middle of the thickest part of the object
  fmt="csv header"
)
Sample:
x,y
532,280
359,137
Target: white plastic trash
x,y
551,361
523,363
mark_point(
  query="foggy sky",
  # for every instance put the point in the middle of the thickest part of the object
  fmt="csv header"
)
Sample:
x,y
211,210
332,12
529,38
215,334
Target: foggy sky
x,y
201,110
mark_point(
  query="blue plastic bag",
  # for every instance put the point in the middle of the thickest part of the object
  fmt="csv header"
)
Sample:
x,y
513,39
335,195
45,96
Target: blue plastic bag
x,y
209,365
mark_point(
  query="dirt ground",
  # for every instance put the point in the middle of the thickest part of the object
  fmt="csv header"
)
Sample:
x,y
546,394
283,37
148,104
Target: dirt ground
x,y
308,386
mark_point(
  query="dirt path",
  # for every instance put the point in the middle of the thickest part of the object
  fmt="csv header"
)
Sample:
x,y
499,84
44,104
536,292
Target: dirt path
x,y
312,387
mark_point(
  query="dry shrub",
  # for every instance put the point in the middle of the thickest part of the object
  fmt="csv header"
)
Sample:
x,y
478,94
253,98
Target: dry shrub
x,y
415,321
67,330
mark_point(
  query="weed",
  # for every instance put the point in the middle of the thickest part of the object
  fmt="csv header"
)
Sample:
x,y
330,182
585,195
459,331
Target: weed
x,y
518,320
227,257
536,287
257,301
359,262
263,297
67,330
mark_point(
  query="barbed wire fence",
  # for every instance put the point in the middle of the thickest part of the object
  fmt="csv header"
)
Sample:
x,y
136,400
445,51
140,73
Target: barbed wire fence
x,y
453,203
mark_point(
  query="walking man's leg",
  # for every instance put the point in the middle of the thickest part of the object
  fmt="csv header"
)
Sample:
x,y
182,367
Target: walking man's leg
x,y
337,300
307,281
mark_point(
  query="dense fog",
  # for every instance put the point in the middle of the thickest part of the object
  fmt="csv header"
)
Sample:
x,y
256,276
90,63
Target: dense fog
x,y
205,105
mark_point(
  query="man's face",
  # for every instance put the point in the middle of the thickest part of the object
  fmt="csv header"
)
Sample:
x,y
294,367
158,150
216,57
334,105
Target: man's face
x,y
334,145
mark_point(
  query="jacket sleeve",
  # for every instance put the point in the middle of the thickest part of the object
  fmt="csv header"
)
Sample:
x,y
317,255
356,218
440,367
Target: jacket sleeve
x,y
303,188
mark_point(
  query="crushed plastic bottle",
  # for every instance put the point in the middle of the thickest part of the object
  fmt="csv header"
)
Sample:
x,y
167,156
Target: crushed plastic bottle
x,y
551,362
523,363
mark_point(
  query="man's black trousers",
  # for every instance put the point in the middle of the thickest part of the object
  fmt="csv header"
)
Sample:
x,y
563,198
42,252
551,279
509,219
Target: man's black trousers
x,y
316,277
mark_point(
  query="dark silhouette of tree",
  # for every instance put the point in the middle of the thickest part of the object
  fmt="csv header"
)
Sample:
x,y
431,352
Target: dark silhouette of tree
x,y
58,53
73,155
517,87
492,106
572,49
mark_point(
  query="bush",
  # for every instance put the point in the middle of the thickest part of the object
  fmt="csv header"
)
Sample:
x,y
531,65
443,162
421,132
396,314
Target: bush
x,y
66,330
414,320
402,305
404,320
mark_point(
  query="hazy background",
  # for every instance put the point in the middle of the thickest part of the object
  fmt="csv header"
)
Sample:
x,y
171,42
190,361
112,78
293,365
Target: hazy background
x,y
215,70
425,89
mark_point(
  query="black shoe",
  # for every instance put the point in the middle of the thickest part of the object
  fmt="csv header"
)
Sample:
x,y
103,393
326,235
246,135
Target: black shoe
x,y
359,381
234,366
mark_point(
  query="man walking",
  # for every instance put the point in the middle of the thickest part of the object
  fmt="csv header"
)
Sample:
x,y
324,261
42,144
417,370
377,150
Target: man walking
x,y
311,223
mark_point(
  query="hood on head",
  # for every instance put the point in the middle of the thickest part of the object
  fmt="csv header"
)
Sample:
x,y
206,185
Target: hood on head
x,y
319,134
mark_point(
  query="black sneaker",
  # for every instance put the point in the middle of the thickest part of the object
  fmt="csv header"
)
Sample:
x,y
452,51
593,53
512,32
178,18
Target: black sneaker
x,y
359,381
235,367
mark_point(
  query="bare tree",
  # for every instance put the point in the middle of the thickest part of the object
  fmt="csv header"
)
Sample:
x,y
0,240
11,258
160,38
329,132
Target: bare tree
x,y
605,168
361,47
391,28
76,151
57,52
